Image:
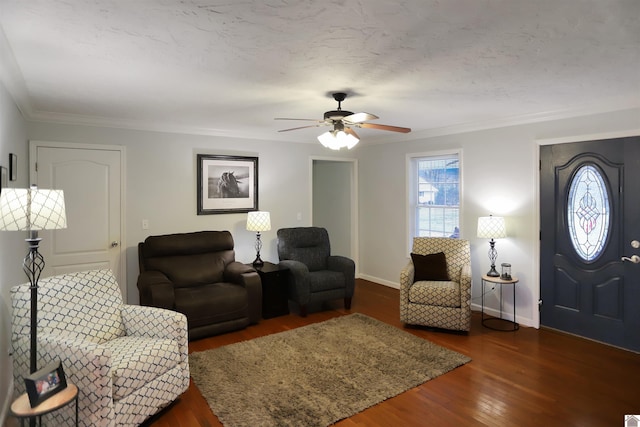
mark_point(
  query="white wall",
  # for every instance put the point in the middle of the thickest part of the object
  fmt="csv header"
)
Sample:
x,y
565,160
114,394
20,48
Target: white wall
x,y
13,248
500,176
161,185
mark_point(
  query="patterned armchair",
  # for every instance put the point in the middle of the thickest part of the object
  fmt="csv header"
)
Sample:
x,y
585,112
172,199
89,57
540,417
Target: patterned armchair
x,y
316,275
438,303
127,361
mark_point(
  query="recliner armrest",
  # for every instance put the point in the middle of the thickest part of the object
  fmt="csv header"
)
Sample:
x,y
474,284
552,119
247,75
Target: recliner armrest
x,y
407,275
235,272
246,276
297,268
86,364
296,280
347,267
465,276
156,290
154,322
341,263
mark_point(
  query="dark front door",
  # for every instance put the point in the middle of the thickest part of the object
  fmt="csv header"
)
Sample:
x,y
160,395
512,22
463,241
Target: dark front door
x,y
590,221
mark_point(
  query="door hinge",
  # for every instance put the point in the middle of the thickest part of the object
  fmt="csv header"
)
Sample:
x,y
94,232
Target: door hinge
x,y
36,166
540,304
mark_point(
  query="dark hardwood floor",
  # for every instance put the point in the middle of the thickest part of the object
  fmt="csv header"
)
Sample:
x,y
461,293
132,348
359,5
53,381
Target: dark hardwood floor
x,y
525,378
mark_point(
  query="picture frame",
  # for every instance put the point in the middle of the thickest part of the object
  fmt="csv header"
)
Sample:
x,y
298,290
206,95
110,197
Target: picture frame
x,y
13,167
45,382
3,178
226,184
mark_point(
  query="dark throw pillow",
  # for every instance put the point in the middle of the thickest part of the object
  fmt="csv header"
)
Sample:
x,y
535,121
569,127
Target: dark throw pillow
x,y
430,267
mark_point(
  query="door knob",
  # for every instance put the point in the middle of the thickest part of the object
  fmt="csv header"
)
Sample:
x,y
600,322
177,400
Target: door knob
x,y
114,244
635,244
634,259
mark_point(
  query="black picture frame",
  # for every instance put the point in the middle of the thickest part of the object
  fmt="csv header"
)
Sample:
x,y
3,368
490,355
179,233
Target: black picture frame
x,y
45,382
226,184
13,167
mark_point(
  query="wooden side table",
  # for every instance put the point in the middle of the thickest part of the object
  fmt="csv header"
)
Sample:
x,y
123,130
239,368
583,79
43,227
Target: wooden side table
x,y
493,322
275,292
21,408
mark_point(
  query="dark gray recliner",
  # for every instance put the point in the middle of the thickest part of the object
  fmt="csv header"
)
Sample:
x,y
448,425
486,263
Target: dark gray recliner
x,y
316,275
197,274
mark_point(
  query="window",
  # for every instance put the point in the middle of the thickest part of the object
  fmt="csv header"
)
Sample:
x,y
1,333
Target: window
x,y
434,195
588,211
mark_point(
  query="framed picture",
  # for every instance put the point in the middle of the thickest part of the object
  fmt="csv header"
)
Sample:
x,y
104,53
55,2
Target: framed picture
x,y
3,178
227,184
13,167
44,383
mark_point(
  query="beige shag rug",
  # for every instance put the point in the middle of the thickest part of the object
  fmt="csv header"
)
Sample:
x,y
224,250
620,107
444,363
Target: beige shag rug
x,y
316,375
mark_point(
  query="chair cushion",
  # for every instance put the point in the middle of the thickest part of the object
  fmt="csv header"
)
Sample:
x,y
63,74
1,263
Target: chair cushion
x,y
325,280
136,361
430,267
212,303
435,293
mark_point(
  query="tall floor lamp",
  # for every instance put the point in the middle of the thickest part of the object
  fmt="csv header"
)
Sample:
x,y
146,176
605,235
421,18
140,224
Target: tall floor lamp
x,y
32,209
492,227
258,221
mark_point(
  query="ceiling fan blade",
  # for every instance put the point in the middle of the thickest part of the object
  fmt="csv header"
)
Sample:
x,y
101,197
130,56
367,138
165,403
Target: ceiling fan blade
x,y
384,127
359,117
306,120
351,132
301,127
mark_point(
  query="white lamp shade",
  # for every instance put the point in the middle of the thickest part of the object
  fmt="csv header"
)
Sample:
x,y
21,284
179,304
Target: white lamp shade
x,y
336,140
491,227
32,209
258,221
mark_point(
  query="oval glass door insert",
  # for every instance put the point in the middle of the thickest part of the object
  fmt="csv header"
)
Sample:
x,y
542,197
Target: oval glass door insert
x,y
588,212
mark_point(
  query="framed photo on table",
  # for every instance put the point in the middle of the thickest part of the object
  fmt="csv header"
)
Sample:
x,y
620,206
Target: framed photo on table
x,y
227,184
44,383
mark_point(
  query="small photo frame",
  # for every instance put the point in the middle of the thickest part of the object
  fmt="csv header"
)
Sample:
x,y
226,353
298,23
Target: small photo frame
x,y
44,383
13,167
227,184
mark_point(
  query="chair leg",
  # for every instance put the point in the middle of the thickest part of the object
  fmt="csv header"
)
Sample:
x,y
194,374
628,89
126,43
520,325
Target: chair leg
x,y
347,303
303,310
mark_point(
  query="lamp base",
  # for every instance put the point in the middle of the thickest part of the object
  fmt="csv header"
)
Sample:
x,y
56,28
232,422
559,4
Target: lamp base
x,y
493,272
258,262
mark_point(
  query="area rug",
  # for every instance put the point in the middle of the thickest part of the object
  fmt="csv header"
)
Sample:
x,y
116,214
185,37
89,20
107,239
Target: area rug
x,y
316,375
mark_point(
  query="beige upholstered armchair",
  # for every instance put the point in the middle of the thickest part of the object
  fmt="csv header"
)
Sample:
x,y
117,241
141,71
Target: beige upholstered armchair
x,y
435,287
127,361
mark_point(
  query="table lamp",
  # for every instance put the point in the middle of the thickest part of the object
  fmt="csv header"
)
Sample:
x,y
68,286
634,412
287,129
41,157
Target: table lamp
x,y
258,221
492,227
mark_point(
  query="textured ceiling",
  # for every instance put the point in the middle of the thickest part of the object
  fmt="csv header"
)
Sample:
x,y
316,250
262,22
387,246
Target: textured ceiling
x,y
229,67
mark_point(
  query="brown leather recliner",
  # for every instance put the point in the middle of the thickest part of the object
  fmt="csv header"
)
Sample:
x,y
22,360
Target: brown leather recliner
x,y
196,274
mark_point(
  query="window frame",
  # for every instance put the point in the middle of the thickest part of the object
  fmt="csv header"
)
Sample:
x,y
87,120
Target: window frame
x,y
412,184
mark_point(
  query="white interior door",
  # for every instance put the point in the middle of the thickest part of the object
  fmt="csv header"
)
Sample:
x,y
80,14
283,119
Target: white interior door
x,y
91,179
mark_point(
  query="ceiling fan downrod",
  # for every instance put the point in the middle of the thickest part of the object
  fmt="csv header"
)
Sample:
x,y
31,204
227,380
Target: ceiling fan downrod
x,y
339,96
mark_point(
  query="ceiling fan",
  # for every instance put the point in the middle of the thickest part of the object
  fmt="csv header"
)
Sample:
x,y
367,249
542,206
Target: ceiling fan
x,y
343,123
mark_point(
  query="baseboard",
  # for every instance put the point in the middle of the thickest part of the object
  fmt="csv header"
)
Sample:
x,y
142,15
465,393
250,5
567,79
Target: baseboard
x,y
379,281
496,313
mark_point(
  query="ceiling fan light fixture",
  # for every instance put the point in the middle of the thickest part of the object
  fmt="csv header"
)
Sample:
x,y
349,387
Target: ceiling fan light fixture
x,y
338,139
